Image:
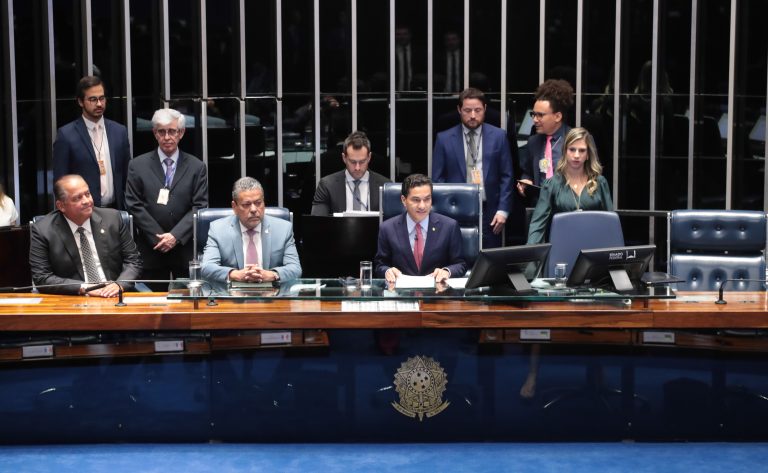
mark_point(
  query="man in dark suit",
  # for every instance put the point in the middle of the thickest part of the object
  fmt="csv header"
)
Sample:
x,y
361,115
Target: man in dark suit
x,y
419,242
94,147
165,187
355,188
478,153
77,245
540,156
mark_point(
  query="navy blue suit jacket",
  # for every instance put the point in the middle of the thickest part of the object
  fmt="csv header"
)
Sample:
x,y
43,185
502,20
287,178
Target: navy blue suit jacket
x,y
529,161
73,154
450,165
443,247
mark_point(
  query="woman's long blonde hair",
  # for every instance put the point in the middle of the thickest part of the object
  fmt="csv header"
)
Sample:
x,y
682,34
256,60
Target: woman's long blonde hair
x,y
592,166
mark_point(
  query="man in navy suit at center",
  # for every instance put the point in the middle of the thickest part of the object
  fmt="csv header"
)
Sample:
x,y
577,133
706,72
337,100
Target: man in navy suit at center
x,y
419,242
478,153
94,147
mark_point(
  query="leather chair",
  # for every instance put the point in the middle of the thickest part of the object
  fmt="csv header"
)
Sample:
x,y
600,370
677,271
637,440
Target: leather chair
x,y
127,219
201,222
706,247
461,202
571,232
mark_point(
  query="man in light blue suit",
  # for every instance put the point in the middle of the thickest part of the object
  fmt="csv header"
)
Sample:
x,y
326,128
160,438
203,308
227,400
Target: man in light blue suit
x,y
94,147
478,153
249,246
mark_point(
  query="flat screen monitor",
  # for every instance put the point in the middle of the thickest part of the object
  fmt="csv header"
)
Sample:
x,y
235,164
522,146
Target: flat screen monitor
x,y
618,268
512,266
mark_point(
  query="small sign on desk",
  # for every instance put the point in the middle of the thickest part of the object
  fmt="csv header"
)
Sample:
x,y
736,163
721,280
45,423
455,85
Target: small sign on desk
x,y
275,338
379,306
541,334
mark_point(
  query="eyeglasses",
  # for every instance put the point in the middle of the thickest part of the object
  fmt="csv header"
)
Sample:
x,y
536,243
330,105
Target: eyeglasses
x,y
538,115
169,132
95,100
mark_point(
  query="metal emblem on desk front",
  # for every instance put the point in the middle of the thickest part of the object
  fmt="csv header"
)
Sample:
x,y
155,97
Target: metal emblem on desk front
x,y
420,382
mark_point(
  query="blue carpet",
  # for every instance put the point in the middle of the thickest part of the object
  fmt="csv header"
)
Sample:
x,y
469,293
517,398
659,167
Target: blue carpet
x,y
400,458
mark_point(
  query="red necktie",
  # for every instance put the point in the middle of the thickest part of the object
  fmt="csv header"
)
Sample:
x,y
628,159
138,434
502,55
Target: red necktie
x,y
252,254
418,247
548,156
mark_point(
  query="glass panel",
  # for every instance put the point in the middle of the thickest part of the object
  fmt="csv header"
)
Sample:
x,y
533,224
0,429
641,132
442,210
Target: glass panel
x,y
373,118
146,51
107,20
223,46
448,54
484,45
223,149
373,46
298,62
749,131
298,155
560,42
259,50
184,46
335,47
260,146
68,45
6,162
711,132
672,106
522,47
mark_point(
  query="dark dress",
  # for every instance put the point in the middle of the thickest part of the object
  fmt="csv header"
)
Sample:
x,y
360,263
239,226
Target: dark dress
x,y
556,196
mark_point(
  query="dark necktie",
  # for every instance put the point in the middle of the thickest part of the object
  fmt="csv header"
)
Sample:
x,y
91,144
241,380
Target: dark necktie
x,y
418,247
92,274
471,154
168,172
252,254
356,195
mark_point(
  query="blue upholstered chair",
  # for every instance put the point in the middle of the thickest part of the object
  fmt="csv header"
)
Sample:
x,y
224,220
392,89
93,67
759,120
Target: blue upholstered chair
x,y
127,219
202,219
461,202
571,232
706,247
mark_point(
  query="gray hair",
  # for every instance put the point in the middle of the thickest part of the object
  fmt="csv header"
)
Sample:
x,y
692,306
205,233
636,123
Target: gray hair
x,y
245,184
165,116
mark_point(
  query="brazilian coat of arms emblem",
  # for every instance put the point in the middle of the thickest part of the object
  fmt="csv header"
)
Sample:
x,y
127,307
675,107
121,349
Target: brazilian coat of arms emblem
x,y
420,382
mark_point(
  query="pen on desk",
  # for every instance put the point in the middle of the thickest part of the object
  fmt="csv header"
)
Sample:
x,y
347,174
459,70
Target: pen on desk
x,y
529,185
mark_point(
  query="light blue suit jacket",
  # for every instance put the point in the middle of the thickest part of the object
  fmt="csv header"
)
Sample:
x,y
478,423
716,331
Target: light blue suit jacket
x,y
224,249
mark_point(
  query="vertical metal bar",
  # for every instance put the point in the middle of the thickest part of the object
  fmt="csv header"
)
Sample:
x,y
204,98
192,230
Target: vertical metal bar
x,y
654,121
503,61
467,13
692,100
353,15
243,86
166,54
616,98
50,91
126,20
430,80
316,104
731,106
9,56
392,85
579,57
87,37
542,37
279,104
203,125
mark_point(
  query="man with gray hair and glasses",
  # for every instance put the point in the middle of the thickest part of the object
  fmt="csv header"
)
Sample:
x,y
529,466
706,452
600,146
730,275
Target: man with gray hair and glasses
x,y
165,187
249,246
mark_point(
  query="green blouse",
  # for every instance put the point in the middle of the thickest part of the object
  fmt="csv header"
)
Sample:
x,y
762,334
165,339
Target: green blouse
x,y
556,196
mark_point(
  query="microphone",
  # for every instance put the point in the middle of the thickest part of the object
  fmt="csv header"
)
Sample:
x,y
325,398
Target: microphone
x,y
97,286
10,289
720,299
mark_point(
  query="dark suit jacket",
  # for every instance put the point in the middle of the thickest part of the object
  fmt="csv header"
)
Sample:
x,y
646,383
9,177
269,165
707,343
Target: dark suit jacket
x,y
529,161
450,165
443,248
330,195
188,192
55,259
73,154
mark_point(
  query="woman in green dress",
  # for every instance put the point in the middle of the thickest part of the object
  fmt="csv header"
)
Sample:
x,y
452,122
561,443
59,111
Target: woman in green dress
x,y
577,184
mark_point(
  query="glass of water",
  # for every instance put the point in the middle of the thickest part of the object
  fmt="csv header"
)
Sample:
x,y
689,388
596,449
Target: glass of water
x,y
366,274
194,270
560,271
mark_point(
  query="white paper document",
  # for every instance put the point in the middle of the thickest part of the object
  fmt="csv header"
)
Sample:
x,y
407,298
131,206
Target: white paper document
x,y
150,300
20,300
414,282
457,283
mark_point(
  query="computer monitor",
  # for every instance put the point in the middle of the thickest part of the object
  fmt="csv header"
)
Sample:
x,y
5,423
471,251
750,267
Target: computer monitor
x,y
618,268
511,266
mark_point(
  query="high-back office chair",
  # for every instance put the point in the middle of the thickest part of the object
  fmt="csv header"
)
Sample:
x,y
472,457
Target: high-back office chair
x,y
571,232
461,202
201,222
706,247
124,215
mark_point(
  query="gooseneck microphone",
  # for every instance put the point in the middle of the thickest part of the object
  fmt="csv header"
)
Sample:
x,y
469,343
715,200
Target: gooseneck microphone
x,y
720,299
93,287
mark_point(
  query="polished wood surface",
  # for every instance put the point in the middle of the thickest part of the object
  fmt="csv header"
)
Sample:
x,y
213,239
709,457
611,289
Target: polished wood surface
x,y
73,313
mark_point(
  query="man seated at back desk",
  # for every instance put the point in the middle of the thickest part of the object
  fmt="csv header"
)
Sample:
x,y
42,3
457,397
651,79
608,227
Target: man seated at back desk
x,y
78,245
354,189
249,246
419,242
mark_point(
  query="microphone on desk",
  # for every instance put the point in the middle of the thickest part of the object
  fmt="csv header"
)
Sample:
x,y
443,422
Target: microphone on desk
x,y
93,287
720,299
